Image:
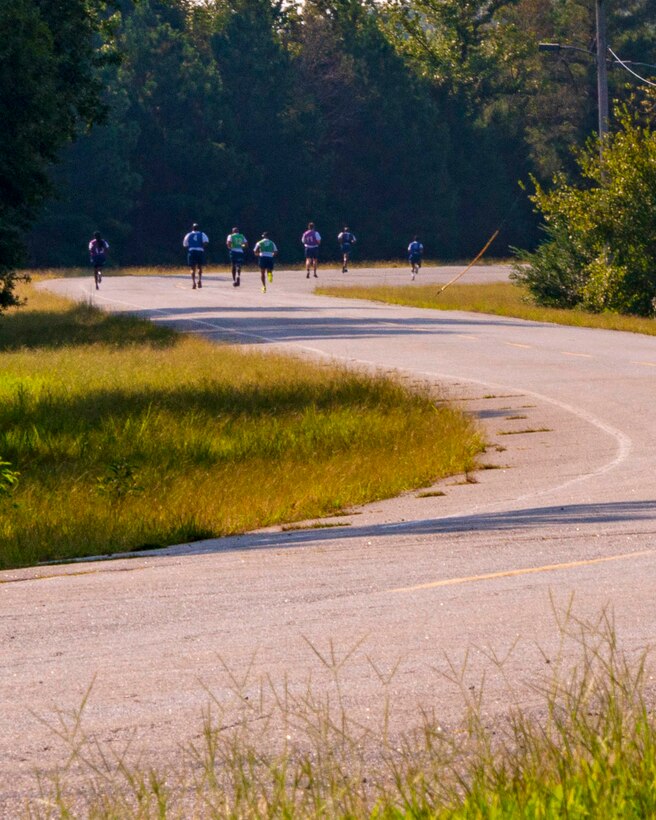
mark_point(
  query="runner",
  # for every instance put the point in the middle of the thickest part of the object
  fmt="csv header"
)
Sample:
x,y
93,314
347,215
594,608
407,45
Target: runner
x,y
311,239
236,243
265,250
346,240
415,252
98,248
195,242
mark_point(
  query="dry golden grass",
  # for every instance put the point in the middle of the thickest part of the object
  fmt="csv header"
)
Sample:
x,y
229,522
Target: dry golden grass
x,y
499,299
126,435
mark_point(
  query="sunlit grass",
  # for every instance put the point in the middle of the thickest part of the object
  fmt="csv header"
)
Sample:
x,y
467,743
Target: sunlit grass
x,y
39,274
217,261
126,435
499,299
586,749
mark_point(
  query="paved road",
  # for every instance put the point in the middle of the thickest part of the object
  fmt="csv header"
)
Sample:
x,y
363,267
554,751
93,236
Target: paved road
x,y
570,511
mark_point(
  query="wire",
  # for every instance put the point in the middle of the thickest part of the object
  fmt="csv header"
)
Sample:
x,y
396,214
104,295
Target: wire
x,y
625,66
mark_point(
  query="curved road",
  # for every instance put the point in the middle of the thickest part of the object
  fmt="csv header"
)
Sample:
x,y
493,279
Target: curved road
x,y
415,585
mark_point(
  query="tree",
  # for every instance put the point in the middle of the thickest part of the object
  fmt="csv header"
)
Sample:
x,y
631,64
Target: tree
x,y
277,184
95,187
519,111
177,107
379,137
49,52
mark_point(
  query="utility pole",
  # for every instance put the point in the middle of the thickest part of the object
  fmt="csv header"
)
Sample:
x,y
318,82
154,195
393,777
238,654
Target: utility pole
x,y
602,71
602,68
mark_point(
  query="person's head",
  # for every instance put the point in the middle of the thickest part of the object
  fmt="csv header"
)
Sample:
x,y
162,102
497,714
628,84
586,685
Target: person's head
x,y
195,227
346,227
235,230
97,235
310,226
265,235
415,239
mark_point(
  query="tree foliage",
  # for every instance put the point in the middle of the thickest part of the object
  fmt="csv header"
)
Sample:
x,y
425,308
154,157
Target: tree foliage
x,y
48,87
396,118
601,246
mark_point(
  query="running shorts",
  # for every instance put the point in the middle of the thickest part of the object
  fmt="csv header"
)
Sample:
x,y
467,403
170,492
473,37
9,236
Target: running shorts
x,y
195,257
266,263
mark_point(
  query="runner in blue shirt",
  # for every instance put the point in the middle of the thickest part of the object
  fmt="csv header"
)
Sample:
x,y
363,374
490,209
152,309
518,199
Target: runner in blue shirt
x,y
415,253
346,240
195,242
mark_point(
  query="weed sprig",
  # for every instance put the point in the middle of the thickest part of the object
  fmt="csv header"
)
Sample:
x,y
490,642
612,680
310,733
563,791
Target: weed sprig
x,y
269,751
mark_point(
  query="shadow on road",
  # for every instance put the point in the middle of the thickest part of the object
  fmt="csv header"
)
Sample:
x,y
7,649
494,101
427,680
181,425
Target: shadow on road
x,y
283,326
527,519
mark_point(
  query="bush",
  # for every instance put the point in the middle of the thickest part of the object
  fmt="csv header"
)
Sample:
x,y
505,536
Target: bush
x,y
600,253
553,273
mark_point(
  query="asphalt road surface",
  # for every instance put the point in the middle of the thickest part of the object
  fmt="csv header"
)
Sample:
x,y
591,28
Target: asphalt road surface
x,y
414,584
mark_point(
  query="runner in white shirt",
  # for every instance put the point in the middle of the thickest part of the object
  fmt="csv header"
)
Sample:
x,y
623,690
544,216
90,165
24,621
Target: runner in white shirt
x,y
98,248
195,242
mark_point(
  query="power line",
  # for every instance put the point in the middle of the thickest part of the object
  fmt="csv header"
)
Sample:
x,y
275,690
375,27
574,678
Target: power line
x,y
631,71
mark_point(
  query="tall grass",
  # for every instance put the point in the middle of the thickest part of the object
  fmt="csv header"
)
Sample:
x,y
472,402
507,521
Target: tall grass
x,y
126,435
588,750
499,299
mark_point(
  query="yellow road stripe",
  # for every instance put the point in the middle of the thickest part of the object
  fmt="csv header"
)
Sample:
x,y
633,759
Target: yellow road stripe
x,y
526,571
645,364
106,566
583,355
516,344
464,336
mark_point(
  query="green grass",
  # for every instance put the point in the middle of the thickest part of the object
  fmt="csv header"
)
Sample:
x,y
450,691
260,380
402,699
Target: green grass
x,y
125,435
585,749
499,299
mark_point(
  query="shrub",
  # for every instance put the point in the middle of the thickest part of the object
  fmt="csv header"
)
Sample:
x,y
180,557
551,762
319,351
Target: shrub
x,y
553,273
600,251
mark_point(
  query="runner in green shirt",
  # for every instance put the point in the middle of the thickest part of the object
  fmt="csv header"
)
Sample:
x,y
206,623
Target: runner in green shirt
x,y
236,243
265,250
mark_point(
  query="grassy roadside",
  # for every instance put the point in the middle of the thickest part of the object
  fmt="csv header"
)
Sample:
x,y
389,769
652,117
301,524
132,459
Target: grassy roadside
x,y
499,299
220,263
126,435
586,749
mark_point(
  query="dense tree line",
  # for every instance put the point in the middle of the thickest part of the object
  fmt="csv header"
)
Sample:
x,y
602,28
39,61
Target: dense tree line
x,y
395,117
49,58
